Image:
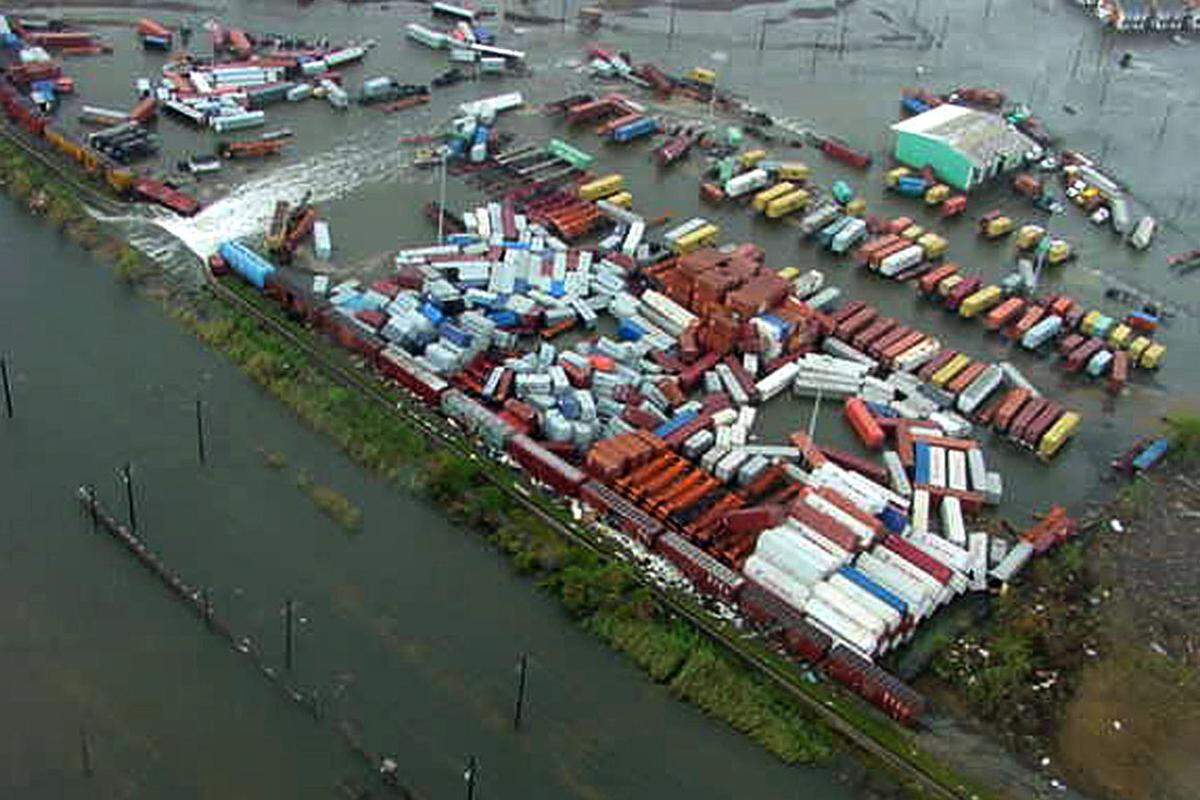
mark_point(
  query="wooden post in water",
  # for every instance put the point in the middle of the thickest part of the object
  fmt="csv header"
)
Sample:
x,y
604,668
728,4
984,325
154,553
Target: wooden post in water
x,y
200,449
521,670
288,635
127,478
85,752
8,405
206,607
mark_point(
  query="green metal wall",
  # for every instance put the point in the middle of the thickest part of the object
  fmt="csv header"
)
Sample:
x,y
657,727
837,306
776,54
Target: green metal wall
x,y
949,166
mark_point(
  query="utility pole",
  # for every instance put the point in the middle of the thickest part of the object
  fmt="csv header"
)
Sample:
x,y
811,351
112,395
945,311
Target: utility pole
x,y
520,690
442,195
85,752
1162,129
8,405
812,419
288,633
127,479
469,775
816,50
762,34
671,29
200,449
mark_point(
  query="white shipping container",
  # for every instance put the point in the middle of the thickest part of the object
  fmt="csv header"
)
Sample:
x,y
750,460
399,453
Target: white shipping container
x,y
891,617
777,582
790,560
901,260
956,470
846,604
837,624
896,473
918,596
953,528
322,244
1012,563
920,511
978,548
952,555
937,466
774,383
746,182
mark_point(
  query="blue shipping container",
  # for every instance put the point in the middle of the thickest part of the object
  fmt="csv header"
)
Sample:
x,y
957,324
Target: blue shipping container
x,y
675,423
893,519
880,410
911,186
253,268
912,105
432,313
635,130
504,318
1151,455
629,331
853,575
921,463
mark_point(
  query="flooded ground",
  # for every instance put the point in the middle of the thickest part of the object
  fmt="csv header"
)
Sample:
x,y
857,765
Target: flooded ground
x,y
422,657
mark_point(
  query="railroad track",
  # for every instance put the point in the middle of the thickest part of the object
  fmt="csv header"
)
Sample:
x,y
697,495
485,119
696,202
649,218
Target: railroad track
x,y
435,430
69,176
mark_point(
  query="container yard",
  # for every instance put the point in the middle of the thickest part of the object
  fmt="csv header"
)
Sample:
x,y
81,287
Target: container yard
x,y
692,330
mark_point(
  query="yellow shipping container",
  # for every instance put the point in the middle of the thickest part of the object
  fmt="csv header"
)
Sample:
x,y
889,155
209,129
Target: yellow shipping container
x,y
947,284
702,75
998,227
602,187
782,206
937,194
947,373
696,239
789,273
1152,356
1029,236
912,233
1059,252
982,300
893,176
793,171
1059,433
856,207
1088,323
622,199
767,195
751,158
1137,347
933,245
1120,335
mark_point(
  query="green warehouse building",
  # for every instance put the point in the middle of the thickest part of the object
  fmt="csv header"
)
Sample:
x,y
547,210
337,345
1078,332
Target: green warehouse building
x,y
964,147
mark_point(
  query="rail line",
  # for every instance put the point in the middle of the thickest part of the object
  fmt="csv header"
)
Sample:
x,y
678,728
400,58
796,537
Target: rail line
x,y
352,378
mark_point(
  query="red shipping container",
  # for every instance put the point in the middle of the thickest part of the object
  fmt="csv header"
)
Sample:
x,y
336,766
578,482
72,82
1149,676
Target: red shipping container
x,y
863,423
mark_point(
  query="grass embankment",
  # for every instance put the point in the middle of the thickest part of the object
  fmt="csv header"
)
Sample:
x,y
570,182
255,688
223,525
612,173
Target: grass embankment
x,y
34,186
1091,661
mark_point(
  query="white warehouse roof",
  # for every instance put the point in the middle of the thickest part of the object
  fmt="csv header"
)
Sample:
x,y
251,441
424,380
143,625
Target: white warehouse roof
x,y
979,135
